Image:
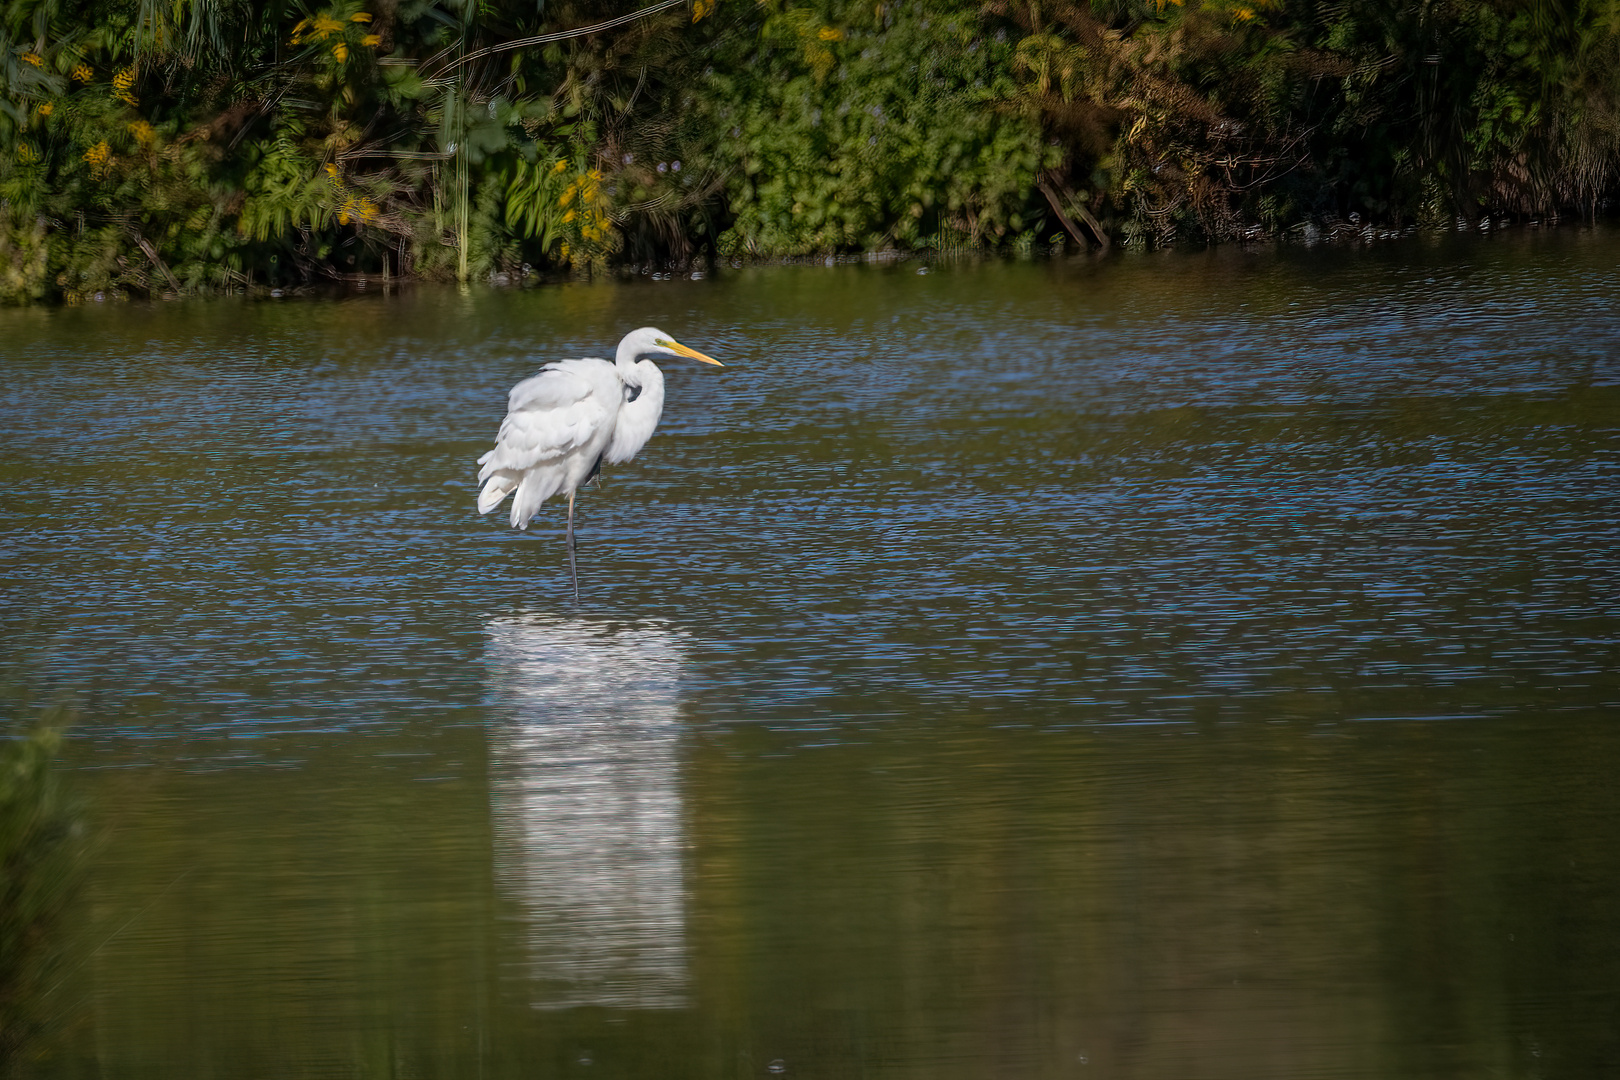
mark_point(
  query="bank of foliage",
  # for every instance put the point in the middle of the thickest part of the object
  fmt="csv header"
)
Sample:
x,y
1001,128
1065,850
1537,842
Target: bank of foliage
x,y
154,147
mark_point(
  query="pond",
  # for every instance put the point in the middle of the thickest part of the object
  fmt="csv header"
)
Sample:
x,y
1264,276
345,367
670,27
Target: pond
x,y
1197,664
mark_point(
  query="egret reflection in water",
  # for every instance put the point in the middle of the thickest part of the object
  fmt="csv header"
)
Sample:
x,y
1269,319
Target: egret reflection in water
x,y
587,806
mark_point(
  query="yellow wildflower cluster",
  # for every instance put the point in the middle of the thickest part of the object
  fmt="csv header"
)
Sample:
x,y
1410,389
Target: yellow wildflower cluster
x,y
25,154
357,208
98,156
591,210
597,230
144,133
33,58
322,27
702,9
83,73
123,85
362,210
316,28
815,38
46,108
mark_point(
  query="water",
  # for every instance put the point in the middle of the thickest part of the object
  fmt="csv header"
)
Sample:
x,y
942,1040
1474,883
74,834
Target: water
x,y
1188,665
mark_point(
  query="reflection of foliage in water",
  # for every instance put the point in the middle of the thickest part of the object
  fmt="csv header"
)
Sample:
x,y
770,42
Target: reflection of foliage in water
x,y
36,871
165,147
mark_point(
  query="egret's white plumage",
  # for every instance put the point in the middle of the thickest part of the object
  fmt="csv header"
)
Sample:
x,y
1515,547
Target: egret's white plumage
x,y
564,422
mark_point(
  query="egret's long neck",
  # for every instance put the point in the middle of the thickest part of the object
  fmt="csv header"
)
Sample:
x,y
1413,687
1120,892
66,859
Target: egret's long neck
x,y
640,412
648,377
650,396
625,358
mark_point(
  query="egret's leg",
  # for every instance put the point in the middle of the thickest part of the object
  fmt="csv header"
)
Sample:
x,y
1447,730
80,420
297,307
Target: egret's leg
x,y
571,568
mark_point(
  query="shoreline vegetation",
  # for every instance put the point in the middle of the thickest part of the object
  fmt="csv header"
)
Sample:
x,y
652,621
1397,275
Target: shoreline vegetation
x,y
159,148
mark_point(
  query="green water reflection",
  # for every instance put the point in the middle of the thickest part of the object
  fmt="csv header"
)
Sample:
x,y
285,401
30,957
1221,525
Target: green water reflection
x,y
921,900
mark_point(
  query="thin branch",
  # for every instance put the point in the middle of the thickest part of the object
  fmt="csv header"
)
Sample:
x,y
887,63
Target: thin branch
x,y
151,253
562,35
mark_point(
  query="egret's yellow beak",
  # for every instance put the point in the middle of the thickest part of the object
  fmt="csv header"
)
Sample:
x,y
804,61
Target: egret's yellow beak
x,y
681,350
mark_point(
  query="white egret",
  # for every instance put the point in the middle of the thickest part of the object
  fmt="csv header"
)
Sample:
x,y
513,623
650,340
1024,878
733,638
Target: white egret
x,y
563,423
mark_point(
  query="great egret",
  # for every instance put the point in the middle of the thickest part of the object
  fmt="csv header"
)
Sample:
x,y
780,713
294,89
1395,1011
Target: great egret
x,y
563,423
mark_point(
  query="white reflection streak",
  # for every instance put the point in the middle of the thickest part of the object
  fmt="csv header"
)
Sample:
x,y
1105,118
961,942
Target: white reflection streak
x,y
587,806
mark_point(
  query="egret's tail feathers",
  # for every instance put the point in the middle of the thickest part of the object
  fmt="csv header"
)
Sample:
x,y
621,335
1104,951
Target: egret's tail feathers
x,y
499,487
535,489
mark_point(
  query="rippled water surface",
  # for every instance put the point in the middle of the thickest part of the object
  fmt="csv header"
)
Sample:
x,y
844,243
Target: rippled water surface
x,y
1188,665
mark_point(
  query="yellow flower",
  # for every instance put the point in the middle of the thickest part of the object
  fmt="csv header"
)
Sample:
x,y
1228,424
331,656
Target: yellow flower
x,y
83,73
568,195
828,33
320,27
568,217
98,156
703,8
121,86
143,132
562,252
34,58
360,16
341,51
46,109
371,40
332,171
1243,13
25,153
559,167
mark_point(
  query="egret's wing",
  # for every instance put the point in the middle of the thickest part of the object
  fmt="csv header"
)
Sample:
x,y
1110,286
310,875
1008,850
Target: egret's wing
x,y
552,414
556,386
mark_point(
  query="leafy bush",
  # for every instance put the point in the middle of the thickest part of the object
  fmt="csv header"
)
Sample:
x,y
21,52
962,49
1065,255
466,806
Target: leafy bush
x,y
848,126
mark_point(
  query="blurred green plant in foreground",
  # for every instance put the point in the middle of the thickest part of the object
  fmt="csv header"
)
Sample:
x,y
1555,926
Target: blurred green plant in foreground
x,y
38,869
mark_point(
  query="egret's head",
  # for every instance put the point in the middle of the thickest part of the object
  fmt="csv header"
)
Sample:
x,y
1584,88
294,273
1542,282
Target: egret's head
x,y
651,341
